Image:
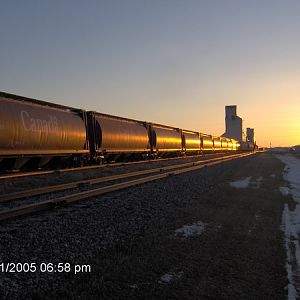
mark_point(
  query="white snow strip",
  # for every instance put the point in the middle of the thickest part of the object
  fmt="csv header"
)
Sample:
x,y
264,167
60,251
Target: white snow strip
x,y
286,228
241,184
193,229
273,175
291,224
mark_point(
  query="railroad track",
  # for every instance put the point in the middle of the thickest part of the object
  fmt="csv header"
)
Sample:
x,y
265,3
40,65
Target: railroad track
x,y
145,177
107,165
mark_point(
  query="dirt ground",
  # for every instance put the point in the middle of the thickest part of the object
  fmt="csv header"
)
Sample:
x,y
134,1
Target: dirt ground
x,y
140,245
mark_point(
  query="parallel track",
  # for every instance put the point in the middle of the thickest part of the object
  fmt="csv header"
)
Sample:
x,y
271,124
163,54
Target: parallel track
x,y
164,172
107,165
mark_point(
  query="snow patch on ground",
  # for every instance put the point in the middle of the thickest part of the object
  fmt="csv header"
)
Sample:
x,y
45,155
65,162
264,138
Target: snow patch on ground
x,y
259,179
241,184
256,183
169,277
193,229
285,191
219,227
291,224
247,183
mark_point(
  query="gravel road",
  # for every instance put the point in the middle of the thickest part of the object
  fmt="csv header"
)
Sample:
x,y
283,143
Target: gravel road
x,y
192,236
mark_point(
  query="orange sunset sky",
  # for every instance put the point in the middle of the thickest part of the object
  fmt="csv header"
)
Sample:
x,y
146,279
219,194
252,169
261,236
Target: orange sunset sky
x,y
172,62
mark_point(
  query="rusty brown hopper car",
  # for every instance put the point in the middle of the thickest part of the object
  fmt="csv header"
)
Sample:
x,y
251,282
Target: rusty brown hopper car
x,y
111,134
165,139
206,143
224,143
32,128
235,145
230,145
191,141
217,144
34,133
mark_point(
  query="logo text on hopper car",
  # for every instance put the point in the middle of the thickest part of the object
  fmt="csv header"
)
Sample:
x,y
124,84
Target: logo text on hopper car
x,y
35,124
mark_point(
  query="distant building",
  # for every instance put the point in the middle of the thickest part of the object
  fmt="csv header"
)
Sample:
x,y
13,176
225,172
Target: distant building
x,y
250,135
234,125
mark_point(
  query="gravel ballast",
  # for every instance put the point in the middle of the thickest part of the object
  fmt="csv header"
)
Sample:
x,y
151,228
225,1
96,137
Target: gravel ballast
x,y
136,244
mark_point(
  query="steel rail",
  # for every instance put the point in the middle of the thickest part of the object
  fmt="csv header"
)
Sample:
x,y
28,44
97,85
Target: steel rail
x,y
53,203
79,184
107,165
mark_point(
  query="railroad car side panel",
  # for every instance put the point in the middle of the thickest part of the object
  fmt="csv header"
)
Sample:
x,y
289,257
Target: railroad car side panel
x,y
230,145
27,128
234,145
206,143
224,144
191,141
166,139
114,134
217,144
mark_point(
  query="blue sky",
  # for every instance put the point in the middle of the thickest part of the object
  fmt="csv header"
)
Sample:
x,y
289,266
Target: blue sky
x,y
173,62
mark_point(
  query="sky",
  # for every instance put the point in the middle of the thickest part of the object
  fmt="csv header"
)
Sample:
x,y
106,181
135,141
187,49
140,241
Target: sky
x,y
175,62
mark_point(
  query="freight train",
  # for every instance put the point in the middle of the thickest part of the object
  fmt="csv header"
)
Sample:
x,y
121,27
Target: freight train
x,y
36,134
